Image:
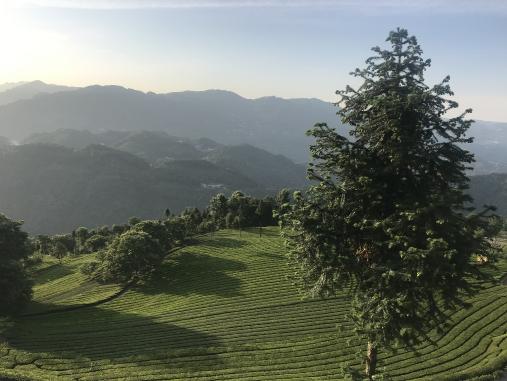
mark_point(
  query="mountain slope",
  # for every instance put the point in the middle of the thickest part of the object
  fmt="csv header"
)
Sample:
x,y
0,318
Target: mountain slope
x,y
275,171
29,90
55,189
225,309
10,85
275,124
158,148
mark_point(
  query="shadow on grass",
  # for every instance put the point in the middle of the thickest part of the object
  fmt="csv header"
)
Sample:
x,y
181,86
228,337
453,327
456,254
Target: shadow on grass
x,y
95,336
52,273
193,273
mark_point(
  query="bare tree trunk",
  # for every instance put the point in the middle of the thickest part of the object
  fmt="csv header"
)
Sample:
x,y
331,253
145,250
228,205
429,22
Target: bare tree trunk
x,y
371,360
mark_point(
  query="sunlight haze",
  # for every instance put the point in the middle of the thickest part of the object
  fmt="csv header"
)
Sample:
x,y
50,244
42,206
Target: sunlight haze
x,y
289,49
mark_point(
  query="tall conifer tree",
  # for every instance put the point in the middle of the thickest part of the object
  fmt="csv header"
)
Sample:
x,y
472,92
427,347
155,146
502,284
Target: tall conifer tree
x,y
390,217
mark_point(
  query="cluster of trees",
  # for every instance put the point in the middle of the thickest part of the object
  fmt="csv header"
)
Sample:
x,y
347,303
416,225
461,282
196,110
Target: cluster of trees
x,y
127,252
132,251
134,254
15,284
138,249
240,211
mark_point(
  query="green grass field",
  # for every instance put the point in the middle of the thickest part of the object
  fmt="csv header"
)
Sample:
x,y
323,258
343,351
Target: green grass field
x,y
223,309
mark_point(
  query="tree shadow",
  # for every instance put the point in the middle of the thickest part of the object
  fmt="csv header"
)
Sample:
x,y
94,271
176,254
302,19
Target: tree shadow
x,y
193,273
94,336
52,273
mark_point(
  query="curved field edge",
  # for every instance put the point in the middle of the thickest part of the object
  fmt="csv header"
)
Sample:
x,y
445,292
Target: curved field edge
x,y
224,309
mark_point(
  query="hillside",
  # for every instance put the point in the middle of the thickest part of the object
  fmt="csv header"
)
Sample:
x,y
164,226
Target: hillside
x,y
274,124
224,309
56,189
491,190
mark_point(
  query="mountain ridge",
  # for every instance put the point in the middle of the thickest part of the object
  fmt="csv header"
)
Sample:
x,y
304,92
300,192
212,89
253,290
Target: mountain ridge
x,y
275,124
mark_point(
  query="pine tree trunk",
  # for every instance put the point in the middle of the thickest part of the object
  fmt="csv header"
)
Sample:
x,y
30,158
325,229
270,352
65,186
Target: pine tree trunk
x,y
371,360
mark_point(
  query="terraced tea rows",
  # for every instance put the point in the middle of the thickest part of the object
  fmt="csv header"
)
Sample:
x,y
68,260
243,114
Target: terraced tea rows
x,y
224,309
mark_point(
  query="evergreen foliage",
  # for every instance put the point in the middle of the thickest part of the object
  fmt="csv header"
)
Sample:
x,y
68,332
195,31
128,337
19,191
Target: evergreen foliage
x,y
15,285
389,217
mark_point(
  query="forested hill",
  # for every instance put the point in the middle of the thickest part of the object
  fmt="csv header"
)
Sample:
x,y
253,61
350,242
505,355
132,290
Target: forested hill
x,y
275,124
491,190
56,189
270,171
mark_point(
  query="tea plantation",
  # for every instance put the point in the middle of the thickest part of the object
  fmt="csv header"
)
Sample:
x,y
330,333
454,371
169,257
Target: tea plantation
x,y
224,309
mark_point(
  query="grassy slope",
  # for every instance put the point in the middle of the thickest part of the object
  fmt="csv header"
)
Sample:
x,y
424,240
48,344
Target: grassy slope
x,y
224,310
60,285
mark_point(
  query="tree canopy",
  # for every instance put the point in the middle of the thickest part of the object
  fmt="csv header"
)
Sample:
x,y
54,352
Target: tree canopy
x,y
131,256
390,215
15,285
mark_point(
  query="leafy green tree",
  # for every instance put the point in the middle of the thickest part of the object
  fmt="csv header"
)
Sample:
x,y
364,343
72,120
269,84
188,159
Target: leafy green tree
x,y
59,250
13,241
66,240
389,217
229,220
95,243
42,244
80,236
218,210
192,218
15,285
177,230
118,229
264,212
134,255
158,230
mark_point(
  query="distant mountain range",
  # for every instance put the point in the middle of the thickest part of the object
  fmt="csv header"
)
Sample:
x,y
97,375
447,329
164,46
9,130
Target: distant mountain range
x,y
12,92
105,178
268,171
100,154
274,124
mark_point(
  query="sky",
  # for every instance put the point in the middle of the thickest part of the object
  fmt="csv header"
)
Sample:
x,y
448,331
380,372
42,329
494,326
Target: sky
x,y
291,49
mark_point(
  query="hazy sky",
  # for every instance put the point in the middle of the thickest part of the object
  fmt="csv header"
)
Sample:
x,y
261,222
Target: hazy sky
x,y
301,48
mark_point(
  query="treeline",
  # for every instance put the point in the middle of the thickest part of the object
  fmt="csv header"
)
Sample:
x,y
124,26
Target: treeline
x,y
238,211
132,252
127,252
